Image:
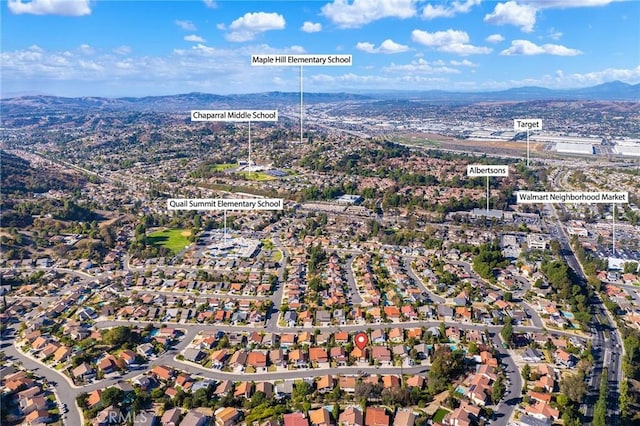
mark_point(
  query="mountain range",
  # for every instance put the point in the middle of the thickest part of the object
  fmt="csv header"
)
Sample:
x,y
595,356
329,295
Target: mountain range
x,y
43,104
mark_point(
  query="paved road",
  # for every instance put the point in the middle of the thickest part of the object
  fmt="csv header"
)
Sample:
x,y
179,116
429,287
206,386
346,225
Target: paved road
x,y
609,355
272,317
64,391
512,397
407,266
332,328
531,313
201,296
293,374
356,299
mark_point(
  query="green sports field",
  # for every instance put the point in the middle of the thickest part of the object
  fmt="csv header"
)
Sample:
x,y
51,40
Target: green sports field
x,y
257,176
175,240
223,167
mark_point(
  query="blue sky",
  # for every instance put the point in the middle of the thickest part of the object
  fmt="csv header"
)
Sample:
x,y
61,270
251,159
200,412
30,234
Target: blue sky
x,y
137,48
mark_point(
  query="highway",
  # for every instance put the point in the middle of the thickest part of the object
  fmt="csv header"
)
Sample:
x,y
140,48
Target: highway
x,y
607,352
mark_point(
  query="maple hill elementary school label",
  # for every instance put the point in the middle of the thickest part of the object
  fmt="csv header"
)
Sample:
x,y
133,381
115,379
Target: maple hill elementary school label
x,y
222,204
297,60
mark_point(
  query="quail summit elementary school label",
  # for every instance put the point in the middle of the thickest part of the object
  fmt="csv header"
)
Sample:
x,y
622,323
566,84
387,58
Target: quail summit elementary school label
x,y
531,197
225,204
297,60
234,115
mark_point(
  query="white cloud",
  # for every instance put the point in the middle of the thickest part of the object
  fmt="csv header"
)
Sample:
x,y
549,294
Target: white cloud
x,y
525,47
186,25
450,41
440,11
495,38
86,49
463,63
122,50
520,15
210,4
297,49
246,27
420,66
310,27
439,38
50,7
202,68
388,46
194,38
565,4
561,80
366,47
355,14
465,49
555,35
350,80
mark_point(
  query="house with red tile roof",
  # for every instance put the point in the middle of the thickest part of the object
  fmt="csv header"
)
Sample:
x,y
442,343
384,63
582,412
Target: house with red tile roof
x,y
318,354
257,359
295,419
163,372
376,416
543,411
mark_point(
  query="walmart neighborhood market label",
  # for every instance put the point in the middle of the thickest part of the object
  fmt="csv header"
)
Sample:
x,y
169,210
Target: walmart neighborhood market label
x,y
297,60
225,204
532,197
234,115
478,170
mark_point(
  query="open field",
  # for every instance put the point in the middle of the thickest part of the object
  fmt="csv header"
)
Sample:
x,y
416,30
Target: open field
x,y
175,240
445,142
256,176
223,167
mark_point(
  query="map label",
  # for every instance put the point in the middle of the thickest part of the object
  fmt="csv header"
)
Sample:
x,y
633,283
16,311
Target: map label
x,y
481,170
532,197
222,204
236,115
521,125
297,60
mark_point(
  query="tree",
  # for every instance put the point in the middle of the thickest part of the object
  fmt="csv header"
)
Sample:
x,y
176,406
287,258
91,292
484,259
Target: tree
x,y
498,389
117,335
301,390
562,400
526,372
111,396
574,387
630,267
258,398
507,331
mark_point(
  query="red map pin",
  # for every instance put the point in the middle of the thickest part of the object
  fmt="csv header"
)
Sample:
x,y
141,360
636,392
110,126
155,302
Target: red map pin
x,y
361,340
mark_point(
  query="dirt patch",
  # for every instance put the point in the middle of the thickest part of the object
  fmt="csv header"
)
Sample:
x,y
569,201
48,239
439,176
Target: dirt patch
x,y
186,233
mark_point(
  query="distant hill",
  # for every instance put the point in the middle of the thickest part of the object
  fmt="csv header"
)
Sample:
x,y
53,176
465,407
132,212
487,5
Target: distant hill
x,y
37,105
613,91
19,177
